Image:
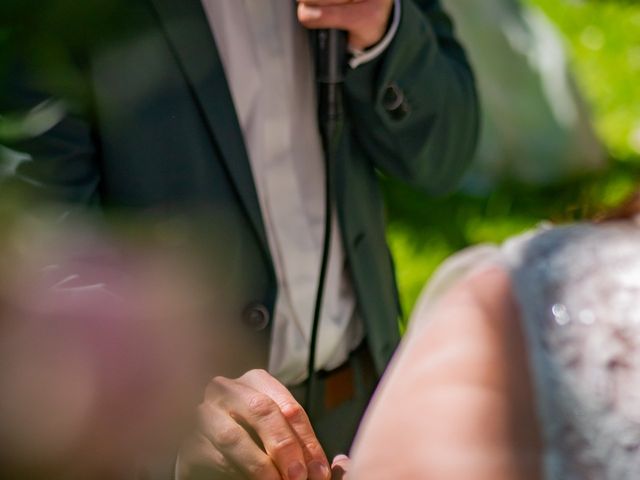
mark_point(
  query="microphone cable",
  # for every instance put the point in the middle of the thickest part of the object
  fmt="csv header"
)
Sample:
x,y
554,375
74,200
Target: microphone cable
x,y
331,63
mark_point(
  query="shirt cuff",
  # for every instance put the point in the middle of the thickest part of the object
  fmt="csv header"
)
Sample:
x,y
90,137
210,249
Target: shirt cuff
x,y
360,57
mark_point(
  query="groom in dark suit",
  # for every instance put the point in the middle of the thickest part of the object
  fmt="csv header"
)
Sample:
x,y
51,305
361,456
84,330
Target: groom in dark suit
x,y
207,108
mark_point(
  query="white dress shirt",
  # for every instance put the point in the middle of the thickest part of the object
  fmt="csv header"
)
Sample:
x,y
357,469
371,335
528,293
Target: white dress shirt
x,y
269,68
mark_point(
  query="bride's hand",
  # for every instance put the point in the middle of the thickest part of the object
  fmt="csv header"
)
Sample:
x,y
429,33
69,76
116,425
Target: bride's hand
x,y
340,468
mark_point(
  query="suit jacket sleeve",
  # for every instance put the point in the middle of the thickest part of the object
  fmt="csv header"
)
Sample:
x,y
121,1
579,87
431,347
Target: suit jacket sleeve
x,y
414,109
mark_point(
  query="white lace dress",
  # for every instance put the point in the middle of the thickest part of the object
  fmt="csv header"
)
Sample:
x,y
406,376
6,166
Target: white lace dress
x,y
578,289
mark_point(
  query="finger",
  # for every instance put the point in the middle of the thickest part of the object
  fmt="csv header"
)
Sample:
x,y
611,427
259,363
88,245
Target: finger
x,y
344,17
323,3
340,467
236,445
297,418
261,414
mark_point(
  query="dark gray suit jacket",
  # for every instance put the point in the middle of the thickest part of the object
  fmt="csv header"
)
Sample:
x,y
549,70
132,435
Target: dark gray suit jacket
x,y
155,129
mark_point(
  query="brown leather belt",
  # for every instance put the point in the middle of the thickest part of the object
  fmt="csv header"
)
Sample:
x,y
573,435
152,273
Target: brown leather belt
x,y
339,385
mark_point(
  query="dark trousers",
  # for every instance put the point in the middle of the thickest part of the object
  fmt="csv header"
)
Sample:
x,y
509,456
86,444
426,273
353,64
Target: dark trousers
x,y
339,400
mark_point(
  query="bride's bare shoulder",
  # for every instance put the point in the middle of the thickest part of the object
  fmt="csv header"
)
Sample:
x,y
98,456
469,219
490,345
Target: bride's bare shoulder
x,y
455,393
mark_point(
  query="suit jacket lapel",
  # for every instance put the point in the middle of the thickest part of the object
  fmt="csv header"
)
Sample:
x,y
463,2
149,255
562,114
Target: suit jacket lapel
x,y
188,31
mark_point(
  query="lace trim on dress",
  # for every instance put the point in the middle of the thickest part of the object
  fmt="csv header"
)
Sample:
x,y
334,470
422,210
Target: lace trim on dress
x,y
579,292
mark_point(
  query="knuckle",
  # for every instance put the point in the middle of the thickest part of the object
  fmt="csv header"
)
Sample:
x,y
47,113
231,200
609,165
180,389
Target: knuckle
x,y
294,413
228,436
261,373
283,445
314,449
254,374
220,382
215,386
261,405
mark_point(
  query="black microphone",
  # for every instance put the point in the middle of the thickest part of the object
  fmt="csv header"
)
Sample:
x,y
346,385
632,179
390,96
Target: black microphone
x,y
331,67
331,56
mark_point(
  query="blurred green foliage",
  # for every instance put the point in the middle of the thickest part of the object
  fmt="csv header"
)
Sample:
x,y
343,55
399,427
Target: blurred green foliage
x,y
603,39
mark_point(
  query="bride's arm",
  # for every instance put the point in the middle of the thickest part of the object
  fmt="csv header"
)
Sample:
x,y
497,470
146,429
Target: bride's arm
x,y
457,403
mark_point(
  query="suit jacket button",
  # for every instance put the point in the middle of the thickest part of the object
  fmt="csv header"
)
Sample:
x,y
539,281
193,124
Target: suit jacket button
x,y
395,102
257,317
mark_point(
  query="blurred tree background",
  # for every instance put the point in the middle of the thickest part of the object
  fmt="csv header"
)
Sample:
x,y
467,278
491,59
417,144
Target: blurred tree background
x,y
603,43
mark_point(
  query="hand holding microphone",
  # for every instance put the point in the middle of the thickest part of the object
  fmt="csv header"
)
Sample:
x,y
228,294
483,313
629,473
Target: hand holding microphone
x,y
366,21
